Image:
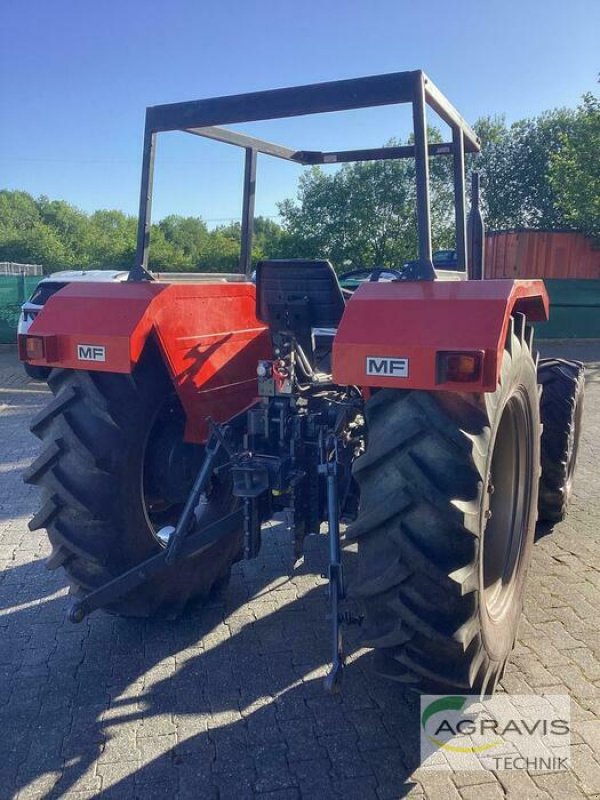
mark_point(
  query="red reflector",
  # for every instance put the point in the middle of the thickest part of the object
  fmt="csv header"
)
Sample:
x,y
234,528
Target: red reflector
x,y
459,367
34,348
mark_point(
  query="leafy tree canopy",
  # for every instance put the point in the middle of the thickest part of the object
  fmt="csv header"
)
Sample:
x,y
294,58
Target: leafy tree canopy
x,y
543,172
574,172
515,168
365,213
59,236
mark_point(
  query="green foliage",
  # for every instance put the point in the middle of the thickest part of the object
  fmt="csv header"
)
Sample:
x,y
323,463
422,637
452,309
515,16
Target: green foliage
x,y
60,236
270,241
222,251
575,169
528,170
188,235
365,213
111,239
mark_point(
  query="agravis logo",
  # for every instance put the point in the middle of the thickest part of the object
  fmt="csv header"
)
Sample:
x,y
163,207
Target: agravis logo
x,y
504,732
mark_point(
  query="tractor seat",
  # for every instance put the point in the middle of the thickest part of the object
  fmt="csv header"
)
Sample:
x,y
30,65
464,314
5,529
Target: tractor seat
x,y
302,299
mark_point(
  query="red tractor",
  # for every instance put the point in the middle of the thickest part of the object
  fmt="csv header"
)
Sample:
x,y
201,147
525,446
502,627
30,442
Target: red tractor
x,y
188,413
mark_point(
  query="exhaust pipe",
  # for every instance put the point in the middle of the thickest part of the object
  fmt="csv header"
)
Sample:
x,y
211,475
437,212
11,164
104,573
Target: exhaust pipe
x,y
475,233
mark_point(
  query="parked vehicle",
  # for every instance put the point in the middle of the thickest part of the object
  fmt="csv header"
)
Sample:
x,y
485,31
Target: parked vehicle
x,y
409,271
445,259
44,290
412,272
354,278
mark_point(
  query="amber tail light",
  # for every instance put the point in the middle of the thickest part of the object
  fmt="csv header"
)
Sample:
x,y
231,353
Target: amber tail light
x,y
38,348
459,367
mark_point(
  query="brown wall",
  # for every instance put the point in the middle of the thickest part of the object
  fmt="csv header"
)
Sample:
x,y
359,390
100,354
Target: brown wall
x,y
540,254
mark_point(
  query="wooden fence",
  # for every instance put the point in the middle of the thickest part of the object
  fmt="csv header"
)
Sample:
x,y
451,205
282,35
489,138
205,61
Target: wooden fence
x,y
540,254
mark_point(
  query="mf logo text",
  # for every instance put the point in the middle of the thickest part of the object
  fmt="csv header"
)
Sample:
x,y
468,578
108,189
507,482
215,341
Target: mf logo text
x,y
387,367
91,352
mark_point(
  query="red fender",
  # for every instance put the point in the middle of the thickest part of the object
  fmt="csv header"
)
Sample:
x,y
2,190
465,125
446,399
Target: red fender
x,y
208,334
409,323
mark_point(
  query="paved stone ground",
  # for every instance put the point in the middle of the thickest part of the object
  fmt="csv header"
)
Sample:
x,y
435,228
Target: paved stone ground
x,y
227,703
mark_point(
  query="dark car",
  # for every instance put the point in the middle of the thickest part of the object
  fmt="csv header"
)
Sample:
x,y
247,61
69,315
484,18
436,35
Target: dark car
x,y
445,259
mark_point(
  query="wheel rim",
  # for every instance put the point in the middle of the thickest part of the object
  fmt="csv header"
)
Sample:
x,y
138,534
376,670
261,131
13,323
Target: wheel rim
x,y
506,510
573,443
169,467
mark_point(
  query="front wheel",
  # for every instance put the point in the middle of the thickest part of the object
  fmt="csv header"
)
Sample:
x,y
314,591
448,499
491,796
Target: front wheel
x,y
449,486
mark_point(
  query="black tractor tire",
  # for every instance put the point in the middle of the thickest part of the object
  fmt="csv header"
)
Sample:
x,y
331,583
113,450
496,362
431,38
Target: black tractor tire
x,y
113,471
36,373
561,409
446,525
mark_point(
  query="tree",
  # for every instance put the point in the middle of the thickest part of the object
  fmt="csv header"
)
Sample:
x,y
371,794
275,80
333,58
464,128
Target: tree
x,y
222,250
18,211
270,240
575,169
111,238
365,213
70,226
40,244
164,255
58,236
515,169
24,236
188,234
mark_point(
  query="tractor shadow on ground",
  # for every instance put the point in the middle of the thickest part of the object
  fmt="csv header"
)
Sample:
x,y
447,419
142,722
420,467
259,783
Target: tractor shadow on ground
x,y
215,704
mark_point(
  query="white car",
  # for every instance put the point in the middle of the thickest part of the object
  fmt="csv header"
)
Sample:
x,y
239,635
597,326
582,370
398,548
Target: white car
x,y
49,286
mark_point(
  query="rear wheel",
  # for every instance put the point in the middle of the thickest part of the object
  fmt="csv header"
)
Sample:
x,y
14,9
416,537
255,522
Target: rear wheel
x,y
446,524
562,411
114,473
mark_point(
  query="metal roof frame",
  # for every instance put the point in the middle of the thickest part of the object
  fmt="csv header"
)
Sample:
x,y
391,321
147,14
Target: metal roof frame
x,y
206,118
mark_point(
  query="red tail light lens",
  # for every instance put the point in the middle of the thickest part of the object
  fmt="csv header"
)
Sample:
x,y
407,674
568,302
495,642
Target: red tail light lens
x,y
459,367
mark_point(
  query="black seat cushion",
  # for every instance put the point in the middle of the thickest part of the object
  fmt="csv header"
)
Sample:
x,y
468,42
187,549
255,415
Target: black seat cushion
x,y
296,284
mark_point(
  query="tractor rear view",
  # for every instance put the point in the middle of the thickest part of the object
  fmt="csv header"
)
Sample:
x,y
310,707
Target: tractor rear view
x,y
188,413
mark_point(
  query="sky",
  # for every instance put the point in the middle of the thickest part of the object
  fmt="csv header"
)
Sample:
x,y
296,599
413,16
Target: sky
x,y
77,75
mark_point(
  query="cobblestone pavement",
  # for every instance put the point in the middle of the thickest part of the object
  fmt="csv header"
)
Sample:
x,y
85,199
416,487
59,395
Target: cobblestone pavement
x,y
228,702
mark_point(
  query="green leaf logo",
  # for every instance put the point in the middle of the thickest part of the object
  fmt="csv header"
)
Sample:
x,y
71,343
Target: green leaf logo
x,y
451,703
